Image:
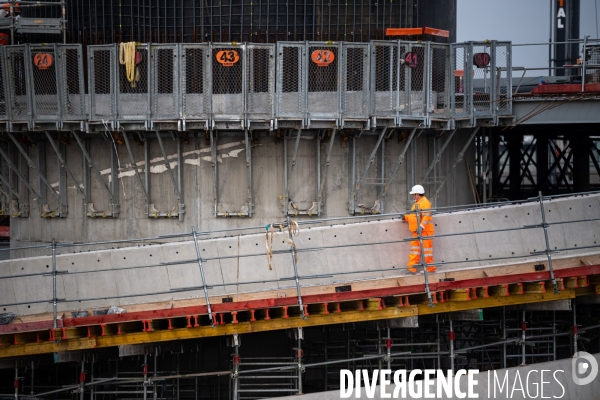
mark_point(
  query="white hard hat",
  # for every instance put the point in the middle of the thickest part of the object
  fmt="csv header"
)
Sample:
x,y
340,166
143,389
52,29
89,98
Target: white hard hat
x,y
417,189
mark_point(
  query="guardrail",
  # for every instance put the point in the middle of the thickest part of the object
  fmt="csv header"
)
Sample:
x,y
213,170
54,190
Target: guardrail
x,y
247,85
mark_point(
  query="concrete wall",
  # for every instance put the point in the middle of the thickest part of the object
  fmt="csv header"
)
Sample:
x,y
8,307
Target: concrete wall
x,y
563,387
267,170
134,275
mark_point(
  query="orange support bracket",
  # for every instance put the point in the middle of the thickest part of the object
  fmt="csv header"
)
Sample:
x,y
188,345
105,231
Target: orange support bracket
x,y
403,31
436,32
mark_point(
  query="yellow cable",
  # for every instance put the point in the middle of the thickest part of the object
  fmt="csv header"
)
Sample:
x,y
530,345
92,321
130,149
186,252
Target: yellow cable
x,y
127,58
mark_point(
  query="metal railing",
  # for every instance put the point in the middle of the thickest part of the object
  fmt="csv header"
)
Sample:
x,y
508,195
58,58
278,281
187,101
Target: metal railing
x,y
298,276
232,85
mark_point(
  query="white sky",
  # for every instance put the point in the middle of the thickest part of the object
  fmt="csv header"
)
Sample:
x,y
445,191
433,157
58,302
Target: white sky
x,y
519,21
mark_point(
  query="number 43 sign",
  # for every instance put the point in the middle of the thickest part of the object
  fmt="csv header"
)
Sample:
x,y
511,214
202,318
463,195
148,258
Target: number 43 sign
x,y
227,58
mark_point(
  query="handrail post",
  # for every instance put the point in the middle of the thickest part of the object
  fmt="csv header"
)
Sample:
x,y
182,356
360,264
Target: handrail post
x,y
302,314
54,300
210,316
422,261
548,251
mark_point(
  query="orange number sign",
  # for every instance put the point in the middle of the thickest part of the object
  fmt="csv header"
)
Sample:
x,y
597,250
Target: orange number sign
x,y
412,59
322,57
43,61
227,57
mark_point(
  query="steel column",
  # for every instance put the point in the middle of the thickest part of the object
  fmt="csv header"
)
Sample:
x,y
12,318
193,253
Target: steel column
x,y
324,173
371,160
458,159
62,159
134,165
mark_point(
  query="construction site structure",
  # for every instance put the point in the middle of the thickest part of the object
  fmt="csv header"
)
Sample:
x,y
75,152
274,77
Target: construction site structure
x,y
207,200
516,283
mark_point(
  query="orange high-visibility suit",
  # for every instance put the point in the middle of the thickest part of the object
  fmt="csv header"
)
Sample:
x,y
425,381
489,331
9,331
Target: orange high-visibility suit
x,y
414,256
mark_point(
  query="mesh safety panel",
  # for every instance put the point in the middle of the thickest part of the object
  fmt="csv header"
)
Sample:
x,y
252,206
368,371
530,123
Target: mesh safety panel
x,y
439,97
323,84
355,78
102,66
227,81
3,87
503,78
133,88
17,81
165,81
482,90
260,81
195,89
461,69
44,64
71,81
291,81
384,79
412,90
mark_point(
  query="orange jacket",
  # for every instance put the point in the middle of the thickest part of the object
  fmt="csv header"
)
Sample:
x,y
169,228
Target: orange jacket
x,y
425,217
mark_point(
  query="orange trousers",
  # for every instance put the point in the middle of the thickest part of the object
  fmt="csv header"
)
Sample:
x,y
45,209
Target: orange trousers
x,y
414,257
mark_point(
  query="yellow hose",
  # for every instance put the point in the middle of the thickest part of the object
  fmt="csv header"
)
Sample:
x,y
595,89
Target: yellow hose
x,y
127,58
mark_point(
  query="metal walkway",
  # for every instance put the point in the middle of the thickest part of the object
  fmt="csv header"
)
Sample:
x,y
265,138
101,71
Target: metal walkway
x,y
256,86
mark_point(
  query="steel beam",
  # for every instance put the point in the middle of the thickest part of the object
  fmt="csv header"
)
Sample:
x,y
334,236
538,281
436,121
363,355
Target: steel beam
x,y
86,155
395,167
458,159
62,159
371,160
12,166
134,166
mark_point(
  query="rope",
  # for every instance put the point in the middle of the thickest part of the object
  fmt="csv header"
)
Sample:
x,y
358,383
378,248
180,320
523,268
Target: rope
x,y
294,229
127,58
6,318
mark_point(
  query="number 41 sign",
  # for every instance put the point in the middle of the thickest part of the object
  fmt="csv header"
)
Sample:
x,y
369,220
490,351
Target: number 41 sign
x,y
412,59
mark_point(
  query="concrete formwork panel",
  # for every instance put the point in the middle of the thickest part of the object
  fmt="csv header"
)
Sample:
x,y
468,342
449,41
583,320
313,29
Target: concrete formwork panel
x,y
35,288
6,287
311,262
100,283
347,259
454,249
183,275
120,273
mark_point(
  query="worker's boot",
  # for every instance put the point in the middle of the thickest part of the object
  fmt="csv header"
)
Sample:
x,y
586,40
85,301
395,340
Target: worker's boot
x,y
412,270
431,269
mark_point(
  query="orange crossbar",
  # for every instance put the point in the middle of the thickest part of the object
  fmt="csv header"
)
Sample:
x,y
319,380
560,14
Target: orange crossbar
x,y
436,32
416,31
403,31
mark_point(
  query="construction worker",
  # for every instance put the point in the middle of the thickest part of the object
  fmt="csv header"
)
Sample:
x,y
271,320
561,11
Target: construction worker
x,y
414,257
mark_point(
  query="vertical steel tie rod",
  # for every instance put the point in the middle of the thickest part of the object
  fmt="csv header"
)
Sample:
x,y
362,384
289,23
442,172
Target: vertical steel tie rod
x,y
54,300
296,278
548,251
89,160
168,166
134,165
210,316
63,163
82,381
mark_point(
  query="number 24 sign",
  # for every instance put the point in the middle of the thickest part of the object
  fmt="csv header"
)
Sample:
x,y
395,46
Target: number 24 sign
x,y
43,61
227,58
